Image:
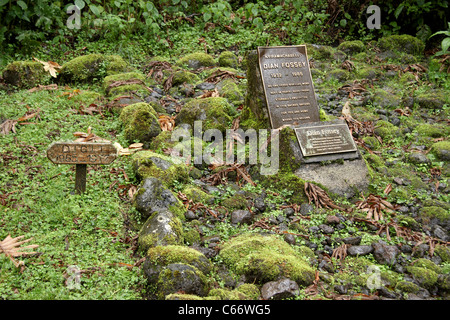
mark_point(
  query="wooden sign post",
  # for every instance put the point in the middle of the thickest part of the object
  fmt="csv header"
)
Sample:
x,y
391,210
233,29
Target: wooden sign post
x,y
81,154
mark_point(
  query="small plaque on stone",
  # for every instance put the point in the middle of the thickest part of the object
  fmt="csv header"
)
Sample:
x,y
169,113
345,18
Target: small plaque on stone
x,y
288,86
321,138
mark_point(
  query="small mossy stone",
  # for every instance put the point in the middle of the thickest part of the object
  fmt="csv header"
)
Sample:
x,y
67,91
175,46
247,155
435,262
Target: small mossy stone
x,y
124,77
148,164
140,122
214,112
402,43
178,277
441,150
184,76
352,47
425,277
89,67
164,255
196,60
228,59
229,90
434,212
266,258
25,74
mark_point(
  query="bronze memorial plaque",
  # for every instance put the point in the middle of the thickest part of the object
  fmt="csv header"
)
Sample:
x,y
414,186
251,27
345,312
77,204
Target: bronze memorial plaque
x,y
318,139
81,153
288,86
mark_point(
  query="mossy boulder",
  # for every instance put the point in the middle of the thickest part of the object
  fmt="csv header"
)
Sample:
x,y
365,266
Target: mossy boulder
x,y
161,256
235,202
184,76
435,99
289,182
89,67
228,59
443,252
431,212
226,294
25,74
229,90
161,229
153,197
425,277
264,258
124,82
402,43
370,73
179,277
384,99
140,122
340,75
385,130
214,112
148,164
352,47
196,60
407,286
430,130
441,150
197,195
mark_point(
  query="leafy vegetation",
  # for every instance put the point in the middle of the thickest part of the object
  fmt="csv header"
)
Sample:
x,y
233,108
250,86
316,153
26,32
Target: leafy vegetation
x,y
87,244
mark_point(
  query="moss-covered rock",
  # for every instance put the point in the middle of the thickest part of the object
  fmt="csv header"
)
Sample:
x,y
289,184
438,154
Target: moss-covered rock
x,y
427,264
250,290
287,181
434,212
152,197
340,75
228,59
214,112
235,202
407,286
370,73
403,43
229,90
197,195
184,76
196,60
266,258
89,67
385,130
165,255
429,130
352,47
150,164
110,81
161,229
443,252
441,150
434,99
225,294
178,277
426,277
140,122
25,74
384,99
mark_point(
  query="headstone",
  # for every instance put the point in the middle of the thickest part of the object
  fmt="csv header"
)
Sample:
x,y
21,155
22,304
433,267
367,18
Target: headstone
x,y
81,154
284,76
287,85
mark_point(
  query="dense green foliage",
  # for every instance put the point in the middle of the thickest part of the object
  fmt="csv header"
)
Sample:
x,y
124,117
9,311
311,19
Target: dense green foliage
x,y
25,24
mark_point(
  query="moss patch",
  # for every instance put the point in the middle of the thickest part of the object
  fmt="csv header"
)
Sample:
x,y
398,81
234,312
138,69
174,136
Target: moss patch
x,y
228,59
140,122
266,258
196,60
214,112
150,164
89,67
25,74
403,43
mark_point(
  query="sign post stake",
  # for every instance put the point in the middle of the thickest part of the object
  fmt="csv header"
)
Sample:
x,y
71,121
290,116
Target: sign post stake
x,y
80,178
81,154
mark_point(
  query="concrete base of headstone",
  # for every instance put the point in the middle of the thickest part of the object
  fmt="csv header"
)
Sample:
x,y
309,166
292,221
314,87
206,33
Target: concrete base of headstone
x,y
345,179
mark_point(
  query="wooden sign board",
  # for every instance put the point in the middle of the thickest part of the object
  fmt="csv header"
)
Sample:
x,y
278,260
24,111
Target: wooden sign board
x,y
288,85
318,139
81,154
